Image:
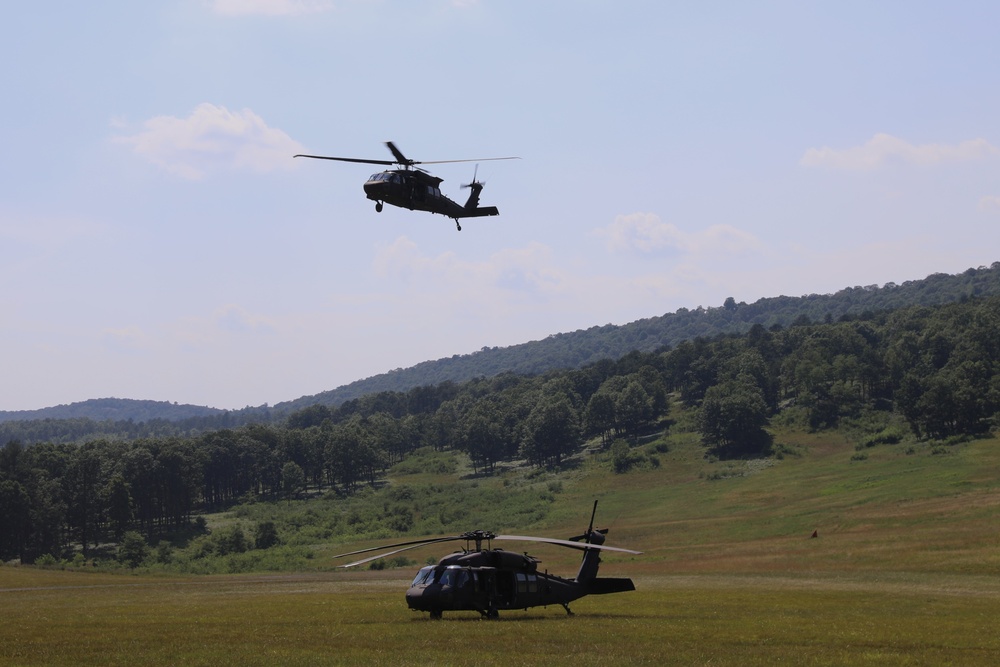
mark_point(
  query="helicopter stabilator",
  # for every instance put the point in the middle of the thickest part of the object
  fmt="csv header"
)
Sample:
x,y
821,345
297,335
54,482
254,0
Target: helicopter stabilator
x,y
489,580
413,188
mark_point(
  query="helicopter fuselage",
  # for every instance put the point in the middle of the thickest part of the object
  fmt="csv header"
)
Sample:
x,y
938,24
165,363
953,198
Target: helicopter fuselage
x,y
419,191
490,580
413,188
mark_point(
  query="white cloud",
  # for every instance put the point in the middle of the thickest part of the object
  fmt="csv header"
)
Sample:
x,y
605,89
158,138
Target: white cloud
x,y
526,270
222,327
883,148
236,319
213,137
519,293
126,339
989,204
646,233
269,7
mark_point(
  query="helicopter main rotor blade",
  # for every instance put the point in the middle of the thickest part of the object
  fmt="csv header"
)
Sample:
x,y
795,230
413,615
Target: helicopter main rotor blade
x,y
348,159
564,543
391,553
416,543
396,153
482,159
402,159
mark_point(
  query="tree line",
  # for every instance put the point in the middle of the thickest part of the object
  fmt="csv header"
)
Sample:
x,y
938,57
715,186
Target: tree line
x,y
936,368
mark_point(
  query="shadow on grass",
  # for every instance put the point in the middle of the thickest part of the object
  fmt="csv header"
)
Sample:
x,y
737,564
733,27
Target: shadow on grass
x,y
467,617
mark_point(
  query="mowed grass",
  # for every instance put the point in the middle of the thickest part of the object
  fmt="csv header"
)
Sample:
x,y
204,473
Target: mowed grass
x,y
318,619
905,569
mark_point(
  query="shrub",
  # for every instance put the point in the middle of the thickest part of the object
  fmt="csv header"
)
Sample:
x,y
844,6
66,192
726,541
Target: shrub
x,y
164,552
231,540
265,535
46,560
133,550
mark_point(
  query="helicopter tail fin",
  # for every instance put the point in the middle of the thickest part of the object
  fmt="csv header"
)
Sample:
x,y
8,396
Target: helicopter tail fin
x,y
476,187
472,209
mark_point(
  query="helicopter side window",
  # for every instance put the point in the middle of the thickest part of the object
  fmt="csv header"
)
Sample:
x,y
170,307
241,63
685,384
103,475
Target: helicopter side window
x,y
449,576
527,583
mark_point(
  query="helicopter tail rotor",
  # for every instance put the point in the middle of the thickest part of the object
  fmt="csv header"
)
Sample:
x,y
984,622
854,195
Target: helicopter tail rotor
x,y
591,536
474,183
476,187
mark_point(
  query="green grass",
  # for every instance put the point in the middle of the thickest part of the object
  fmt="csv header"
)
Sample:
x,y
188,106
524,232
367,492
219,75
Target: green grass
x,y
77,619
903,571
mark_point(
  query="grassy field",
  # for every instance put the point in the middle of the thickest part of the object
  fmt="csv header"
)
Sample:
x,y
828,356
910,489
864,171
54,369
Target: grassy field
x,y
905,569
80,619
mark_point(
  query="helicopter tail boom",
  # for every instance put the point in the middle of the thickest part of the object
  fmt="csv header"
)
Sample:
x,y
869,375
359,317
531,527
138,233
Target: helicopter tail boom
x,y
605,585
480,212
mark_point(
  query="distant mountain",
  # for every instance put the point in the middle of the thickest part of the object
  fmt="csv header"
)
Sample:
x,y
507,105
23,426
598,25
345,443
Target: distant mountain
x,y
561,351
114,409
579,348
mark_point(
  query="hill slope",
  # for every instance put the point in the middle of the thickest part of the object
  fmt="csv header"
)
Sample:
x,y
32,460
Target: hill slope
x,y
114,409
579,348
568,350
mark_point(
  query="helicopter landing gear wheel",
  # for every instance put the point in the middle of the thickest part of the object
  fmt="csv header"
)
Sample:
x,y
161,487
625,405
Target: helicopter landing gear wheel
x,y
378,207
492,614
458,226
436,615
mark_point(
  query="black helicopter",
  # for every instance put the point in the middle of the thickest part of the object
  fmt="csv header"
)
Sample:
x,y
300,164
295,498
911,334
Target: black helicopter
x,y
414,188
488,580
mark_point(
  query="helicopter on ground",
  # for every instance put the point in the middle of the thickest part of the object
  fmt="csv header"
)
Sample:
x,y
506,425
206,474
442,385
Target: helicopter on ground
x,y
488,580
416,189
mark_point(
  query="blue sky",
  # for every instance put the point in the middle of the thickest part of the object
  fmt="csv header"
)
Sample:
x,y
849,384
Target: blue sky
x,y
158,241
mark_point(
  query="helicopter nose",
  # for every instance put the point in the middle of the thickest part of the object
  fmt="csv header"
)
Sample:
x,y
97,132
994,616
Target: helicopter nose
x,y
375,189
415,598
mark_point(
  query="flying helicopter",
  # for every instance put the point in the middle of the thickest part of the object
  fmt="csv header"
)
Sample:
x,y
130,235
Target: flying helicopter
x,y
416,189
488,580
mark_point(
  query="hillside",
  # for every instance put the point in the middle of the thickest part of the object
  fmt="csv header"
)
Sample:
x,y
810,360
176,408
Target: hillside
x,y
579,348
558,351
902,569
917,380
114,409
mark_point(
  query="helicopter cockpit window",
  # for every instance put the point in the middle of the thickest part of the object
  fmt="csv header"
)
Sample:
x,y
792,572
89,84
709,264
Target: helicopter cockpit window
x,y
424,576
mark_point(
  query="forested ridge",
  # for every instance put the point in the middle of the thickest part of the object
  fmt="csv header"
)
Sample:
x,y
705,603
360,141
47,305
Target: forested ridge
x,y
579,348
920,374
126,418
114,409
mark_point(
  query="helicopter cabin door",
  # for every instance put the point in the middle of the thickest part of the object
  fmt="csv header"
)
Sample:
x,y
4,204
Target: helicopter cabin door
x,y
506,591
